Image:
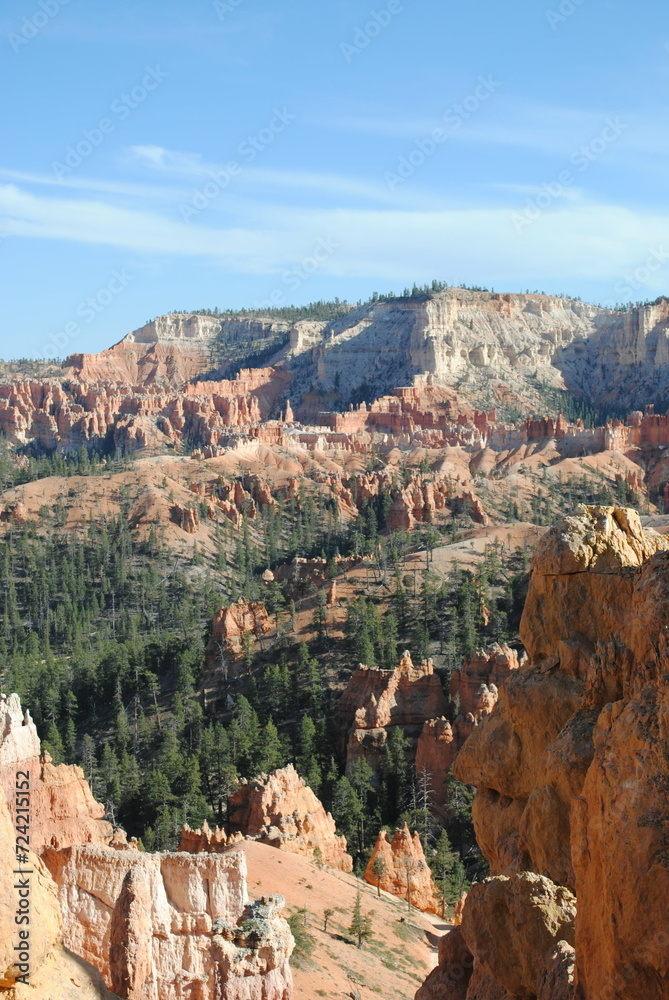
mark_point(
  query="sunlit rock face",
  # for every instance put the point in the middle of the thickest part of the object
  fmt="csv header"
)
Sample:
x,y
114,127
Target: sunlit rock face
x,y
571,770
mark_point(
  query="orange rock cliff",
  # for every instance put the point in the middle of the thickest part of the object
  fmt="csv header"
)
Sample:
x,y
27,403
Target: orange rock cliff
x,y
571,769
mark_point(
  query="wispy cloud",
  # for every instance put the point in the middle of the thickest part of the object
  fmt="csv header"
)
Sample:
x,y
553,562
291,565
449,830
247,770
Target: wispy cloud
x,y
578,239
191,166
76,182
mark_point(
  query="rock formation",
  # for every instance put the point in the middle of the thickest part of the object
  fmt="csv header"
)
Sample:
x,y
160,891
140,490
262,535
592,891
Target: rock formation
x,y
172,926
375,700
39,954
281,810
570,769
154,926
430,362
437,748
451,978
232,623
62,808
206,839
475,685
406,872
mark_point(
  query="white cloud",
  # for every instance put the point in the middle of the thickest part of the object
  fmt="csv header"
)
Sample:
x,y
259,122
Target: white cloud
x,y
576,240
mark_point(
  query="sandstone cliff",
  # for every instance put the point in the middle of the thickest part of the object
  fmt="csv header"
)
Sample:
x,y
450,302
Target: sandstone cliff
x,y
232,623
281,810
500,341
172,926
570,770
149,926
376,699
475,685
50,971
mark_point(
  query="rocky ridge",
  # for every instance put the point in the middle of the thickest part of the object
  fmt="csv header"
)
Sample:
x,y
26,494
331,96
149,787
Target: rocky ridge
x,y
458,357
485,345
281,810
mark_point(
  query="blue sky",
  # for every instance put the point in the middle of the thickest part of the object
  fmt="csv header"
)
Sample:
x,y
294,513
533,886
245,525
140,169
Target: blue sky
x,y
179,155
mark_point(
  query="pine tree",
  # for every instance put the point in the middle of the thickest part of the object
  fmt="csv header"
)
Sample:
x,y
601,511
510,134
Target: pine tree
x,y
271,755
449,873
361,925
378,871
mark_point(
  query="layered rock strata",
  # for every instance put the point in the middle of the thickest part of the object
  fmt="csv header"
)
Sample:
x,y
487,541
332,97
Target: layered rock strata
x,y
104,916
172,926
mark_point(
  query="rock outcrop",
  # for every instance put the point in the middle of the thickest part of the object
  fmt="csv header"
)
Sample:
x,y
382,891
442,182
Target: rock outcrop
x,y
281,810
232,623
172,926
455,963
33,962
474,687
571,770
62,808
375,700
406,873
149,926
512,926
437,748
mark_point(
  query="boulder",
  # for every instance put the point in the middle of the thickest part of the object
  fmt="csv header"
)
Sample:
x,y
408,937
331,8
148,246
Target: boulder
x,y
512,925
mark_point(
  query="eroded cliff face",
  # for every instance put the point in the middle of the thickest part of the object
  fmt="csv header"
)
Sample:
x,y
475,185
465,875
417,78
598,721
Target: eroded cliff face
x,y
62,808
173,349
499,341
375,700
475,685
172,926
572,772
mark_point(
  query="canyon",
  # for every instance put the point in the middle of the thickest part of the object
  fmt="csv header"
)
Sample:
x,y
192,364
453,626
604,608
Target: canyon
x,y
465,359
405,460
462,337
